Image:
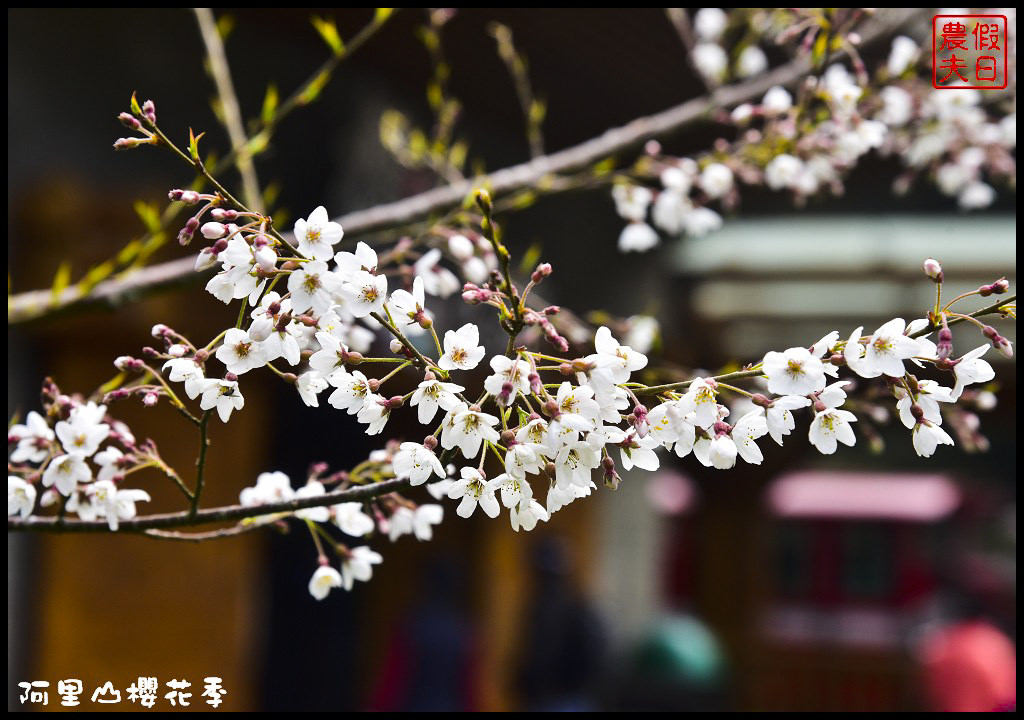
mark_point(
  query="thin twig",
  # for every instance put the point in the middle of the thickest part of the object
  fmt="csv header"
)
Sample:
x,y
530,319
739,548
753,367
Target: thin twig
x,y
183,519
232,113
232,531
204,444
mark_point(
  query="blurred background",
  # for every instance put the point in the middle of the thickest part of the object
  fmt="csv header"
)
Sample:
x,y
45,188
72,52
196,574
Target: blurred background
x,y
806,583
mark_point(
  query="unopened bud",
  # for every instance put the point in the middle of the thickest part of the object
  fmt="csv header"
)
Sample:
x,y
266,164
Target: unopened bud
x,y
150,399
760,400
611,477
149,110
213,230
430,442
566,368
542,271
396,346
944,348
1000,286
552,310
1003,346
261,328
373,384
505,396
150,353
290,378
508,438
128,143
551,409
395,401
535,384
129,364
483,199
932,269
224,214
918,412
129,121
201,356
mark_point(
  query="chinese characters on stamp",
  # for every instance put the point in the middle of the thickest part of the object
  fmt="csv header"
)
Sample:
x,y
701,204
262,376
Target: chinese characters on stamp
x,y
969,51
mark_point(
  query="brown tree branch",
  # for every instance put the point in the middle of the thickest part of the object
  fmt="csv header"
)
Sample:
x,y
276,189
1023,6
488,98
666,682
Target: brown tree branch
x,y
185,518
40,303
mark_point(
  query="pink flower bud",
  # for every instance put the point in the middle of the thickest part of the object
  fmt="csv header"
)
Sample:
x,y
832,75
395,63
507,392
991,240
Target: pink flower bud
x,y
932,269
150,399
213,230
542,271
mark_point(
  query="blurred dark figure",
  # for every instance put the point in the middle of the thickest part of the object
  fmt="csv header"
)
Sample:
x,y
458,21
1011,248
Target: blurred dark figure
x,y
563,645
968,664
677,666
428,666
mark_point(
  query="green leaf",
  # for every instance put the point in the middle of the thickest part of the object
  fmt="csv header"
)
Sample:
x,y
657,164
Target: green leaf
x,y
270,101
225,25
136,108
112,384
530,259
129,252
193,144
96,275
149,214
381,14
312,91
329,32
819,48
61,280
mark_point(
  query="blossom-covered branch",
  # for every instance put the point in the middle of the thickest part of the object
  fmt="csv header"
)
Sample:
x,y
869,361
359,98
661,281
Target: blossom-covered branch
x,y
542,421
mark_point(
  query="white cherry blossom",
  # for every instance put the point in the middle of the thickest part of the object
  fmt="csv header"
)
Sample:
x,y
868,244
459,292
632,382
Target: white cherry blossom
x,y
462,350
324,579
223,395
34,439
526,515
971,369
240,353
793,372
928,436
316,235
66,472
358,565
779,417
408,307
21,497
514,371
889,347
351,520
433,394
746,430
621,360
364,258
416,462
186,370
469,429
474,490
312,287
352,390
365,293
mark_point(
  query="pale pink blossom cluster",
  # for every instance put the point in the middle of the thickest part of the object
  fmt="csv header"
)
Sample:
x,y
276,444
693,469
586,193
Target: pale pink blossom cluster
x,y
58,459
805,145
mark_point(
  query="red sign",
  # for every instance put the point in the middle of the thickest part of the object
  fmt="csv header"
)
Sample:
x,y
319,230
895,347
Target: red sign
x,y
969,51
